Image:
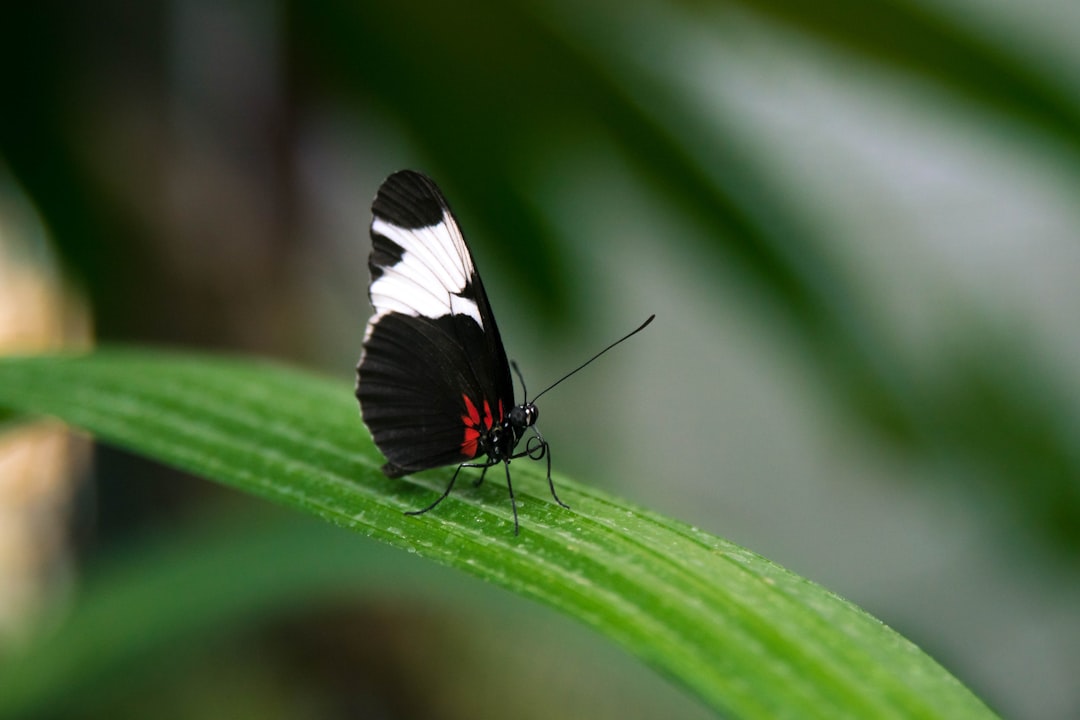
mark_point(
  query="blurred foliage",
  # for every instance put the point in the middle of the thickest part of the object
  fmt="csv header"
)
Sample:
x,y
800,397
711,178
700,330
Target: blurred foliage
x,y
915,38
460,59
210,629
483,91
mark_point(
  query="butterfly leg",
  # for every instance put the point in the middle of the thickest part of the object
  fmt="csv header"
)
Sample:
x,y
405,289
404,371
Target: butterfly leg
x,y
441,497
450,486
480,480
513,503
551,483
538,448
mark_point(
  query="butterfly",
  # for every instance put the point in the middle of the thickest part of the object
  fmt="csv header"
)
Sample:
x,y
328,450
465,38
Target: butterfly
x,y
433,380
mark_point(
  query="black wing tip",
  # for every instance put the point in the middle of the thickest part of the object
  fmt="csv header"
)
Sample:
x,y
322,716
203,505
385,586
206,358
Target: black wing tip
x,y
410,176
409,199
394,471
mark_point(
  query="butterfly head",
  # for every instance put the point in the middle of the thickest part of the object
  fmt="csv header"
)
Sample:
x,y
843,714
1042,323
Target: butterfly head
x,y
523,416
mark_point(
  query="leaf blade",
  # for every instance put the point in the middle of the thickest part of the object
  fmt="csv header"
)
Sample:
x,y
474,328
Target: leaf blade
x,y
746,636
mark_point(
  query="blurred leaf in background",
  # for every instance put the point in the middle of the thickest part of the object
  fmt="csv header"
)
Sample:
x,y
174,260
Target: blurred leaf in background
x,y
855,221
40,462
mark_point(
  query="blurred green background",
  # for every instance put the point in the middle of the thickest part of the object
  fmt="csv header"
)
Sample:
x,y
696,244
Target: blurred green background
x,y
856,223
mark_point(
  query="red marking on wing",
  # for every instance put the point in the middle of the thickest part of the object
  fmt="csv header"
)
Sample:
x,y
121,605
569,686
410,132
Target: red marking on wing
x,y
471,418
470,444
475,424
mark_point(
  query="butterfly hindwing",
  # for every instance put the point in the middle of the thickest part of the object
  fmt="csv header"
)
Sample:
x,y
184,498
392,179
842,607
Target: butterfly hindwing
x,y
433,360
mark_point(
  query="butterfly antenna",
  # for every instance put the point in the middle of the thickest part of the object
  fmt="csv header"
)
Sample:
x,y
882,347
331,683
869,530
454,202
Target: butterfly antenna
x,y
521,379
584,364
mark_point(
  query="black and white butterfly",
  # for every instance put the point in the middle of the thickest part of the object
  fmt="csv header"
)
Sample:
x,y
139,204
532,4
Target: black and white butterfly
x,y
433,381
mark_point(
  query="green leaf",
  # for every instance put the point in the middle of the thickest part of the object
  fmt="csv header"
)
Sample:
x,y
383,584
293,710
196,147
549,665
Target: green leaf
x,y
749,638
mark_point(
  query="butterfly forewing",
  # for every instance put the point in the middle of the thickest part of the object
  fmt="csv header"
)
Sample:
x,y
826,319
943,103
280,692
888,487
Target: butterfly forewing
x,y
433,367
